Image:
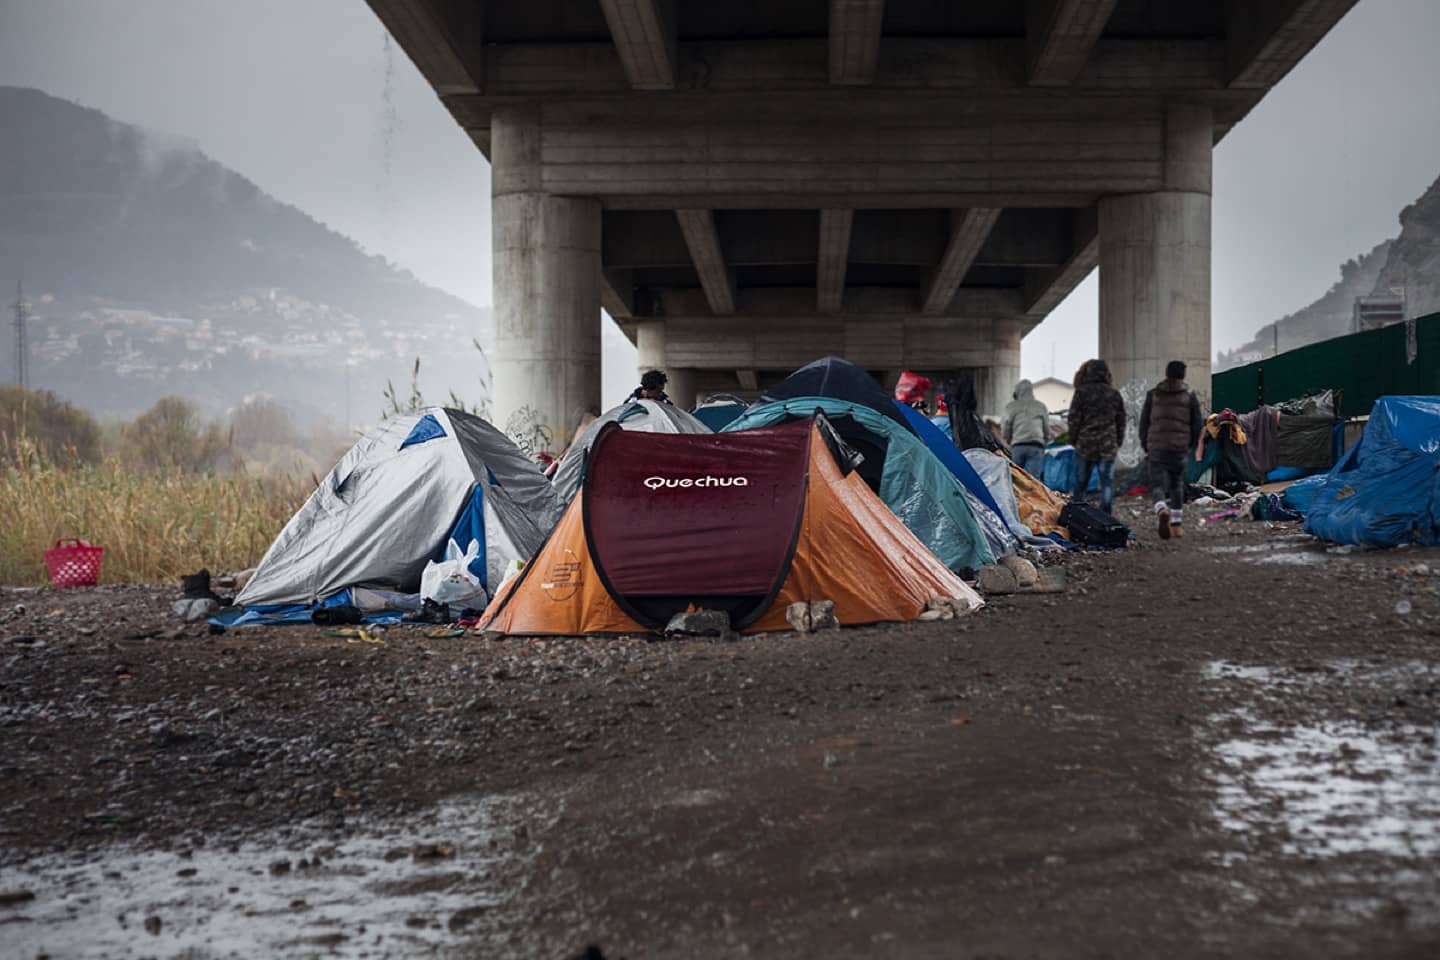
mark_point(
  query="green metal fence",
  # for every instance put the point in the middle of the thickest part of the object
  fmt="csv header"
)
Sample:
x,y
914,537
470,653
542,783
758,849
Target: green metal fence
x,y
1363,366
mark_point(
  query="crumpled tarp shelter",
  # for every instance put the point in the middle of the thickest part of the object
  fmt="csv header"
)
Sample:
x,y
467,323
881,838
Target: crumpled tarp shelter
x,y
393,502
909,479
641,416
1385,490
997,472
746,522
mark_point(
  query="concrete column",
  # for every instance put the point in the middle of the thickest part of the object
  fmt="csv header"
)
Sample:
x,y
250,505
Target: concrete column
x,y
995,383
681,387
1155,262
547,293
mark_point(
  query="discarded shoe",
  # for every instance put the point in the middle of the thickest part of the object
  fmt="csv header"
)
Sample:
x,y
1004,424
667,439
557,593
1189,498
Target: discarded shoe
x,y
335,616
196,586
429,612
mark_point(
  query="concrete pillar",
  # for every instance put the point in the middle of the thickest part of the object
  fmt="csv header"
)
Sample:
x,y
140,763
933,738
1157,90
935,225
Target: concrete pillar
x,y
995,382
681,386
547,293
1155,262
994,388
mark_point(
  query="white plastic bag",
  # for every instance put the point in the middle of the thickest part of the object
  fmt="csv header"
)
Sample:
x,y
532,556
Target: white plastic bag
x,y
450,580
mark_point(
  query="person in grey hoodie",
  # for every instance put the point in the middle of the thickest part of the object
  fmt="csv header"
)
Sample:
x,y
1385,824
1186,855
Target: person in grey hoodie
x,y
1026,428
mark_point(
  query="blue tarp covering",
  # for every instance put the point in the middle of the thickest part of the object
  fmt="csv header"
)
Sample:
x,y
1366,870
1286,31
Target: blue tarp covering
x,y
950,455
292,613
1386,490
1060,470
470,526
1299,495
426,428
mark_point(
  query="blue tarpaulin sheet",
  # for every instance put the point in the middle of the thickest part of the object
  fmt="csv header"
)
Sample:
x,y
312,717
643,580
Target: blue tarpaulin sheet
x,y
1060,470
1385,490
292,613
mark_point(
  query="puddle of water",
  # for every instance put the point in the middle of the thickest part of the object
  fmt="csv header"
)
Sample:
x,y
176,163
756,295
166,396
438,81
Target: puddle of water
x,y
1334,788
1290,559
1330,788
398,889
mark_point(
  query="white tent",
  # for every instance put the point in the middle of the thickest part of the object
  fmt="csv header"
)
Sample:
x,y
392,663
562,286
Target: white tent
x,y
394,501
646,416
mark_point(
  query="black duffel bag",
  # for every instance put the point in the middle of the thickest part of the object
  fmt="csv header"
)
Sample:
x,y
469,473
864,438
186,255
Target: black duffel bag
x,y
1092,526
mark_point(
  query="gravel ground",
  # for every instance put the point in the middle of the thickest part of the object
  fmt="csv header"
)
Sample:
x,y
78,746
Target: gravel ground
x,y
1219,746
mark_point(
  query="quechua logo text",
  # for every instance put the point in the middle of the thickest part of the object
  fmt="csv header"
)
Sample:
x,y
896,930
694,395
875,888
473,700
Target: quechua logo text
x,y
668,483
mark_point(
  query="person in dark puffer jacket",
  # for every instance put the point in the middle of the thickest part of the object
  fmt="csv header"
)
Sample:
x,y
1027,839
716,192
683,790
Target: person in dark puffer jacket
x,y
1170,425
1097,429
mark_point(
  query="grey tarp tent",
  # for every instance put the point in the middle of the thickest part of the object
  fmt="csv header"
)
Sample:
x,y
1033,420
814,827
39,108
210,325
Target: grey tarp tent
x,y
396,498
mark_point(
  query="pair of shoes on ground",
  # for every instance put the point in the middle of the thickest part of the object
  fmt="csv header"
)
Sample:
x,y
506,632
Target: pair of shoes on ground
x,y
1166,528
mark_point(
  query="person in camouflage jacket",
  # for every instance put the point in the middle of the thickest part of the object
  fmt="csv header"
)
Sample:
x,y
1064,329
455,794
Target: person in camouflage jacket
x,y
1097,429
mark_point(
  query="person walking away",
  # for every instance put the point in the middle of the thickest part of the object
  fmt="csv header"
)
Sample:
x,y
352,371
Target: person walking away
x,y
1170,425
652,387
1097,429
1026,428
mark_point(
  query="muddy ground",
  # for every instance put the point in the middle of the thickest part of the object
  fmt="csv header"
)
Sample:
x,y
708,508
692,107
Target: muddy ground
x,y
1219,747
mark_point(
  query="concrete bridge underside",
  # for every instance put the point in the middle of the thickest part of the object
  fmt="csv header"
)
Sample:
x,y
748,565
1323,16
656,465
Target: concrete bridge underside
x,y
747,185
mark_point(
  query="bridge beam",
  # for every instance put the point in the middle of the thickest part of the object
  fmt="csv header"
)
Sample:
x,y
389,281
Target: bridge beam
x,y
644,35
1059,37
1266,38
834,249
854,40
701,238
967,236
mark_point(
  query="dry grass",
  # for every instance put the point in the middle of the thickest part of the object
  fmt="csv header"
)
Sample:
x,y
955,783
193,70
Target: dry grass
x,y
154,526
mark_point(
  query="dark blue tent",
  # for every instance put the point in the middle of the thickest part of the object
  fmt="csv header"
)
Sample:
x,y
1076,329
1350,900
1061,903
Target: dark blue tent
x,y
837,379
1386,490
949,454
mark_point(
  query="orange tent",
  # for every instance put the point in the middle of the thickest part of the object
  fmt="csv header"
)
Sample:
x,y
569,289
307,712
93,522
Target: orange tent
x,y
746,522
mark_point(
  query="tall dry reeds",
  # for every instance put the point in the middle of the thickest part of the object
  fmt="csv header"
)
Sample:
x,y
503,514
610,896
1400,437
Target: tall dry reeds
x,y
155,525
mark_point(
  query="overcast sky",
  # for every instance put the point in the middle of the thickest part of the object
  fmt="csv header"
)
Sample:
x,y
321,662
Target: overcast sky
x,y
294,94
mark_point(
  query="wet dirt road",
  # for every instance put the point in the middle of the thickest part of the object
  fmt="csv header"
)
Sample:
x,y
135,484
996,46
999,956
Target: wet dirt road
x,y
1221,747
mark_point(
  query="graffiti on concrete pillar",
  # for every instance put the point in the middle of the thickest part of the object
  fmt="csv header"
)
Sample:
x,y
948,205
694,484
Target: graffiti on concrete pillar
x,y
530,434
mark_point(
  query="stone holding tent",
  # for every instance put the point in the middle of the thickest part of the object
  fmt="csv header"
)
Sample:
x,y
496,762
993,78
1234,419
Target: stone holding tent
x,y
748,523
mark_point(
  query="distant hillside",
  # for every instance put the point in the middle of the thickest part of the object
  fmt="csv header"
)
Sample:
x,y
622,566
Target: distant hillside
x,y
151,268
1414,261
1411,260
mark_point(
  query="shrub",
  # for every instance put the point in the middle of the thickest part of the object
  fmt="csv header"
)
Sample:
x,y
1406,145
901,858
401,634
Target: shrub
x,y
62,434
172,436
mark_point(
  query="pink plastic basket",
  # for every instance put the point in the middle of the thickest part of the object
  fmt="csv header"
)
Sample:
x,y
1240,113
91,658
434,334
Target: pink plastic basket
x,y
74,563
